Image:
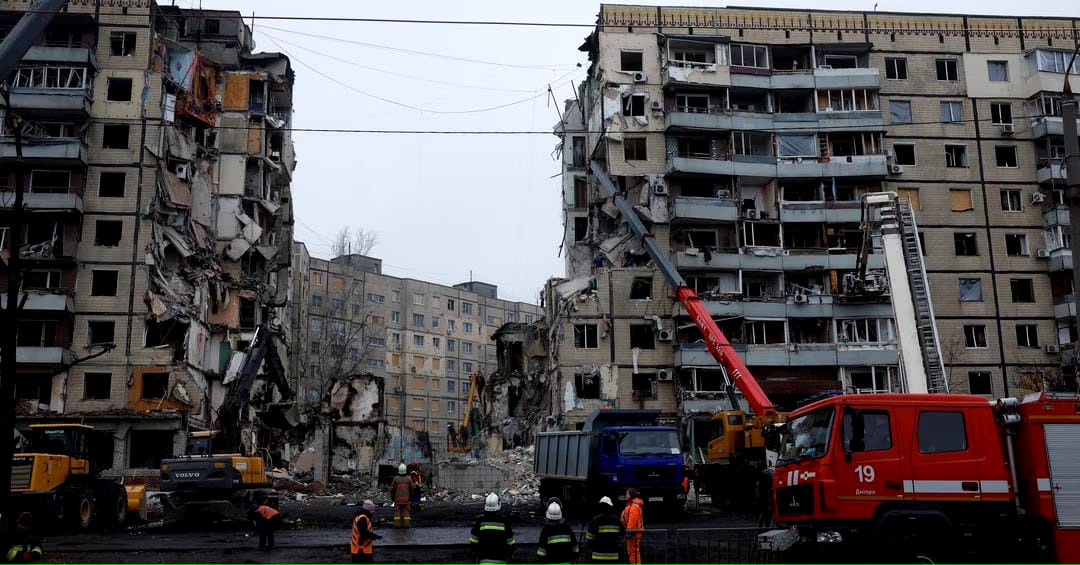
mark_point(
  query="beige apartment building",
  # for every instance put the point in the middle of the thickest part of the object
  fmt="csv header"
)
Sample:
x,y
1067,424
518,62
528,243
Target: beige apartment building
x,y
159,166
425,339
745,138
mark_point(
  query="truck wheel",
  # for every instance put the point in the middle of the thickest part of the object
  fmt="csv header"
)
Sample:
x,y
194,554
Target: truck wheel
x,y
84,510
120,514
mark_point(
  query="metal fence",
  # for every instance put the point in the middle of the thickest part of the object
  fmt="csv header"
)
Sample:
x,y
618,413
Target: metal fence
x,y
703,545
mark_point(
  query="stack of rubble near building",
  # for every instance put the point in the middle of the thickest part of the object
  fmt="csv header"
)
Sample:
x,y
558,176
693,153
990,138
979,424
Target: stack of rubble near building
x,y
188,222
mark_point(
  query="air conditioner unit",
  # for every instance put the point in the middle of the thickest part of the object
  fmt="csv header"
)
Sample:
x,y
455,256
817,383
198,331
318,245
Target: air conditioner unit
x,y
665,335
181,171
660,189
1037,197
800,299
1042,253
896,169
640,77
824,66
397,390
664,375
1053,349
753,214
657,106
1007,129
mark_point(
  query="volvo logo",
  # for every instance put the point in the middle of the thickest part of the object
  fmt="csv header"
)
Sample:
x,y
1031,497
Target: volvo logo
x,y
187,475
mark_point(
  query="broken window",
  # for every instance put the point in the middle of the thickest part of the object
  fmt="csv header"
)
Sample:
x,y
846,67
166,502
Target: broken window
x,y
155,385
578,151
975,336
810,330
41,279
960,200
693,147
112,184
631,61
103,283
118,89
964,244
1005,155
1012,200
865,330
900,111
757,234
212,26
100,332
1016,245
904,154
1001,113
115,136
1027,335
97,386
581,228
1023,290
971,290
642,336
50,181
641,288
693,103
644,386
248,313
765,332
979,383
257,96
634,105
587,386
316,347
847,100
36,334
956,156
581,193
122,43
33,387
167,333
803,236
450,304
743,55
337,304
584,336
634,149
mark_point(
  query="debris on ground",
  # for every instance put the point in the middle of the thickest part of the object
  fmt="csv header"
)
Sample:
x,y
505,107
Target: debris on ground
x,y
522,487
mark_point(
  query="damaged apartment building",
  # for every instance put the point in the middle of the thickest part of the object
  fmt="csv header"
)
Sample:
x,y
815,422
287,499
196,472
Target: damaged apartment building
x,y
388,362
158,187
746,138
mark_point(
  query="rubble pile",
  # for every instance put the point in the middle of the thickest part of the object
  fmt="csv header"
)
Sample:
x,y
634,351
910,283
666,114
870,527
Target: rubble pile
x,y
516,463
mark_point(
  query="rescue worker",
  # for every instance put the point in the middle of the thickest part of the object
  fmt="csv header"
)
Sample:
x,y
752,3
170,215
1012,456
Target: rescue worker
x,y
492,538
416,492
557,541
400,492
362,543
19,544
605,534
633,520
265,519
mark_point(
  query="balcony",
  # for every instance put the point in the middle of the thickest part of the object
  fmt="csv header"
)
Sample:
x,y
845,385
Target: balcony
x,y
802,122
1060,260
772,259
1056,215
58,103
44,202
44,301
847,78
696,74
66,151
790,354
1064,307
1051,171
1048,126
802,79
709,209
62,54
831,212
44,356
817,306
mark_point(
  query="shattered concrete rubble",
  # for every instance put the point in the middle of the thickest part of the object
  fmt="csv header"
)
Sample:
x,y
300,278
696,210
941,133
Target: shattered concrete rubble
x,y
510,474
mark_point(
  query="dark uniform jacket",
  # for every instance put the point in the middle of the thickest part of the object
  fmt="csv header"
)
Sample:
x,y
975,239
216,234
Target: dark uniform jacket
x,y
605,537
492,538
557,544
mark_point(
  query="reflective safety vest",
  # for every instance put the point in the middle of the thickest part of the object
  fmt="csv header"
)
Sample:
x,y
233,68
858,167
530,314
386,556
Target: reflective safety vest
x,y
605,537
24,553
361,541
492,538
632,517
557,544
266,512
401,488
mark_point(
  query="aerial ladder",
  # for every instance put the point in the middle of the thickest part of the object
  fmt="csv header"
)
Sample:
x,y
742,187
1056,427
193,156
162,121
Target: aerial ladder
x,y
738,448
921,365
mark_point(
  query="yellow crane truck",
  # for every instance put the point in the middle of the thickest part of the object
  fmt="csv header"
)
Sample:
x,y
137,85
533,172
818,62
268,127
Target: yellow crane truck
x,y
56,478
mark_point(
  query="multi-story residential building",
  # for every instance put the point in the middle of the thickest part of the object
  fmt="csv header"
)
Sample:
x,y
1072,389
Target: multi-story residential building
x,y
425,339
158,169
746,139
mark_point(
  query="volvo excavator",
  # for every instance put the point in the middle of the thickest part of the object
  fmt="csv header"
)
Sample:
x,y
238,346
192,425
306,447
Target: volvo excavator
x,y
214,467
739,451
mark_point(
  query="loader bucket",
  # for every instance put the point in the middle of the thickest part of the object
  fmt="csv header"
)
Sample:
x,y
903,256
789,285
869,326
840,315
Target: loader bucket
x,y
136,500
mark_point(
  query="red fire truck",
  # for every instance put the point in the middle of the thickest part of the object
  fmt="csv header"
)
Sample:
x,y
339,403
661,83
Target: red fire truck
x,y
931,478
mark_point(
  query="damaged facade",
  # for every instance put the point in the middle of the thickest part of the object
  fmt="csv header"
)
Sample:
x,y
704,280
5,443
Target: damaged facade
x,y
422,339
160,165
747,150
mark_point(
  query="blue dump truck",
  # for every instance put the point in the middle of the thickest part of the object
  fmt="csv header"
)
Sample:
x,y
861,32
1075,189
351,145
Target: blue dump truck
x,y
615,450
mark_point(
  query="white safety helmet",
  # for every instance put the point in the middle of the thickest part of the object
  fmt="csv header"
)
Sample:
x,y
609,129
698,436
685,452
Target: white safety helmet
x,y
401,469
554,512
607,500
369,506
492,503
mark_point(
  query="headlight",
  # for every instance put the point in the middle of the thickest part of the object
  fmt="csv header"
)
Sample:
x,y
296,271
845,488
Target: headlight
x,y
829,537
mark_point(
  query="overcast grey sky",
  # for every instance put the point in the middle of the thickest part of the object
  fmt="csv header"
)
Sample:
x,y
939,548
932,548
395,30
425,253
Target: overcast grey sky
x,y
445,206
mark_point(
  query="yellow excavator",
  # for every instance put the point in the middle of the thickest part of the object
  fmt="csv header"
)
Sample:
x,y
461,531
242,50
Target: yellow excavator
x,y
55,477
458,441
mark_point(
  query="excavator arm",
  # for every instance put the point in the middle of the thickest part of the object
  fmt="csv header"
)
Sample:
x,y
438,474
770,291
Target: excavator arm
x,y
239,394
715,340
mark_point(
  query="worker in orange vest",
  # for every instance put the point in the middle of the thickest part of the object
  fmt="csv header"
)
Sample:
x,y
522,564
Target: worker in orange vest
x,y
633,520
400,493
362,543
265,519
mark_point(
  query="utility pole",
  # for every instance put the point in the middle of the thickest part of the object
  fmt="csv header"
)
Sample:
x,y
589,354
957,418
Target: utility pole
x,y
1072,171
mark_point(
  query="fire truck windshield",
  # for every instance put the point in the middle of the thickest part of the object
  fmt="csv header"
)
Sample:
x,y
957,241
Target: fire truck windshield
x,y
807,437
649,442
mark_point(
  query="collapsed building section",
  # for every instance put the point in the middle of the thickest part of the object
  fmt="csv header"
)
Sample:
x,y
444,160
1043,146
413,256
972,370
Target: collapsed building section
x,y
173,144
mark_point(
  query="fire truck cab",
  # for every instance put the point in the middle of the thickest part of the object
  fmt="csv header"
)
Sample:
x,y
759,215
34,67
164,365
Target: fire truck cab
x,y
921,477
